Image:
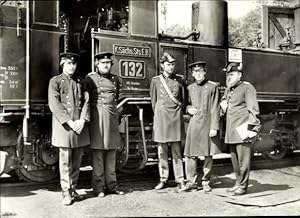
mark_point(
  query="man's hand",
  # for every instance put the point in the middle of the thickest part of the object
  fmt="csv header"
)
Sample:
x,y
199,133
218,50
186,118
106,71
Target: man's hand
x,y
120,109
251,134
192,110
78,126
71,124
212,133
224,105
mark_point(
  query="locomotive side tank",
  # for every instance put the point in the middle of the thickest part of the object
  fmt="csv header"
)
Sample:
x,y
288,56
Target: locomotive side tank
x,y
29,50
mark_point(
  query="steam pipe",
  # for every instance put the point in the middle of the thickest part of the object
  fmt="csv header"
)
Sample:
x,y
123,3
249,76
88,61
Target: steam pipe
x,y
194,33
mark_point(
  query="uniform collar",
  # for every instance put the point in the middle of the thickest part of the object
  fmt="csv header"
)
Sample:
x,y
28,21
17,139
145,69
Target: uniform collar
x,y
67,76
236,85
107,75
172,76
202,82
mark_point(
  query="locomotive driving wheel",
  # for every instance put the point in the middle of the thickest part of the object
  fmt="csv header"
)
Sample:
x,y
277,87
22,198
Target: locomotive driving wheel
x,y
37,160
132,163
277,153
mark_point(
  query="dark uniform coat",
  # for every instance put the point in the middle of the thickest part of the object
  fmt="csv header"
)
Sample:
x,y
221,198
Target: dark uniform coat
x,y
205,97
242,107
168,116
104,125
67,102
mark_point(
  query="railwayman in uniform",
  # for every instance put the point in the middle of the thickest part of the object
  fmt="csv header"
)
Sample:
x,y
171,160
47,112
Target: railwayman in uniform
x,y
103,88
202,133
241,107
166,92
69,107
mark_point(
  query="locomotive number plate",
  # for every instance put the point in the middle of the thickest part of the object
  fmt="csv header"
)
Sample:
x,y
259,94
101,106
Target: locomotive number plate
x,y
132,69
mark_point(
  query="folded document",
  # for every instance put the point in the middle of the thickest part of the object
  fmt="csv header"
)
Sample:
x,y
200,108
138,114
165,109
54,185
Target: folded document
x,y
242,130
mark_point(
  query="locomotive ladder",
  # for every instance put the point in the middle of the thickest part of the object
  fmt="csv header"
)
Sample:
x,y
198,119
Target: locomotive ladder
x,y
133,154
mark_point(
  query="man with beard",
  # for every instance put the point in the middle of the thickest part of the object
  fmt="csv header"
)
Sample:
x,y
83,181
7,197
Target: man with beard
x,y
166,92
104,89
202,133
241,107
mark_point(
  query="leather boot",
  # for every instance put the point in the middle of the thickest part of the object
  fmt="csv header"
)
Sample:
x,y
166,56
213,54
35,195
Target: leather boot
x,y
232,189
160,185
206,187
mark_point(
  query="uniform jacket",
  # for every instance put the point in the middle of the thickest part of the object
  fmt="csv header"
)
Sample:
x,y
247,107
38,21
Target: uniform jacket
x,y
104,125
168,116
242,107
67,102
205,97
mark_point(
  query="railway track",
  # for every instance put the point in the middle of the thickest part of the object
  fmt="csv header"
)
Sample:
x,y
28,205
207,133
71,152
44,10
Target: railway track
x,y
150,173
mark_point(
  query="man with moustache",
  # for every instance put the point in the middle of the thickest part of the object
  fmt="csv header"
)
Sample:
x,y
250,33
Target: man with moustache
x,y
104,89
240,105
69,106
202,132
166,92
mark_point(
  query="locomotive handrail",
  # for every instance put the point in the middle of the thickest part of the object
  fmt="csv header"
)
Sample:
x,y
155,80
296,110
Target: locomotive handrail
x,y
7,114
194,33
124,101
144,154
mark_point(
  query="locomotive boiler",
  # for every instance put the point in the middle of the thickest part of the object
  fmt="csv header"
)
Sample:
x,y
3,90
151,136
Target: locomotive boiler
x,y
33,33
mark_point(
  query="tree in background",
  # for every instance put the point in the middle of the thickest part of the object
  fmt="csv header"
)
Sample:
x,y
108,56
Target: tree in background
x,y
243,32
178,30
277,3
163,11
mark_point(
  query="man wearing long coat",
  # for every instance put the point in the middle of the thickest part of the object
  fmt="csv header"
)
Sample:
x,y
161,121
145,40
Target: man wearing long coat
x,y
103,88
69,106
168,119
240,105
202,138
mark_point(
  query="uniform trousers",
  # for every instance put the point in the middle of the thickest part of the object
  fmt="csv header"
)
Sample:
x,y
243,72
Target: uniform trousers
x,y
163,164
69,168
241,161
104,170
191,169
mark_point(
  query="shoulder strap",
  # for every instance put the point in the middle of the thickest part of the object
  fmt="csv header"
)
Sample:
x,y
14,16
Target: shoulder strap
x,y
163,82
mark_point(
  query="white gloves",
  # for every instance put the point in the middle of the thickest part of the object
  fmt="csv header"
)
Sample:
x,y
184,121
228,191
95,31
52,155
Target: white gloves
x,y
77,125
212,133
224,105
192,110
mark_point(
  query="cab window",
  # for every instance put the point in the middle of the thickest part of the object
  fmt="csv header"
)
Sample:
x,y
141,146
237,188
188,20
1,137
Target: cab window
x,y
110,15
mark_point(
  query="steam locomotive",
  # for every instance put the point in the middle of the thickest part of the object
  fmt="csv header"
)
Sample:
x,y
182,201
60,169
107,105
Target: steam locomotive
x,y
34,33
